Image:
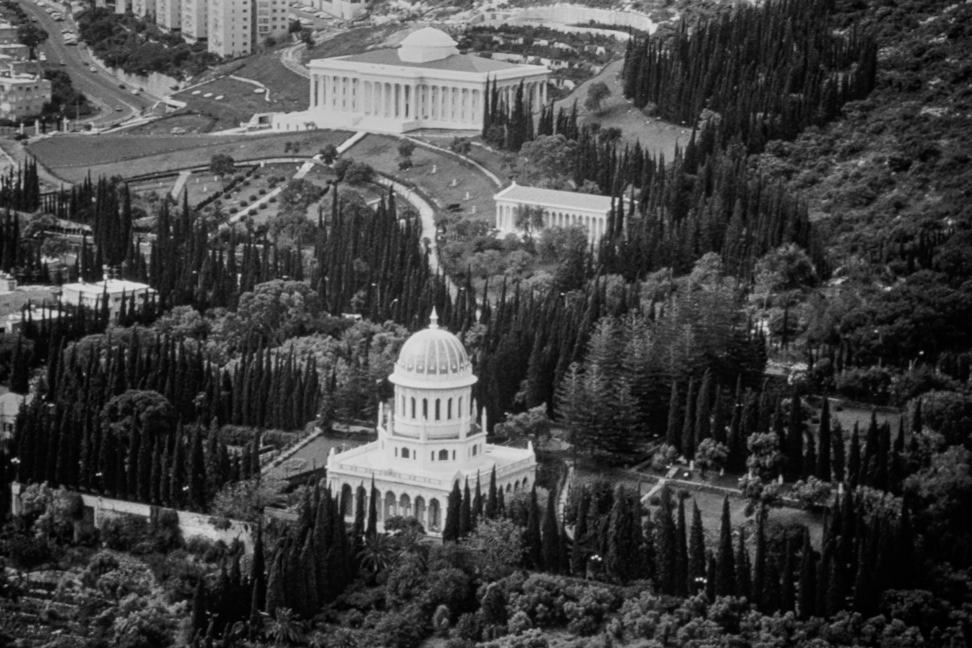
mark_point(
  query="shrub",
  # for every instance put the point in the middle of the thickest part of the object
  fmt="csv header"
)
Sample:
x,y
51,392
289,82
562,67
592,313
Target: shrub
x,y
25,551
243,203
520,623
273,199
125,533
440,621
468,627
251,212
263,206
405,629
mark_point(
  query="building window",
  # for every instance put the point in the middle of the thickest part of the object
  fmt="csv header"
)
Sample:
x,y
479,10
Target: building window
x,y
396,452
443,455
425,409
404,453
433,455
474,451
453,455
449,409
413,408
437,409
460,407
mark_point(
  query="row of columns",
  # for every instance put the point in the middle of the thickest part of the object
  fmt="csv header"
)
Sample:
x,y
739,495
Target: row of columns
x,y
595,224
430,514
410,101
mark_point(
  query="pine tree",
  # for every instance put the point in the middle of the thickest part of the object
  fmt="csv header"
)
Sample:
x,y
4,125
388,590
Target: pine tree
x,y
450,532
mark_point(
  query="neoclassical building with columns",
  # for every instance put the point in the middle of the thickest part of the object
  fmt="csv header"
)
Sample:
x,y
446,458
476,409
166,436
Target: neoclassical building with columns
x,y
560,209
428,438
424,83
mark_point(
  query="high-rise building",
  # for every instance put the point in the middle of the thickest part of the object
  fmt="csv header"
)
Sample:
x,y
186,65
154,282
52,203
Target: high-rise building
x,y
195,20
168,14
143,8
230,27
271,19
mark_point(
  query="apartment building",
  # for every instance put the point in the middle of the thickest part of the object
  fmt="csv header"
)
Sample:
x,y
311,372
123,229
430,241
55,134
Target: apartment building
x,y
168,14
22,95
271,19
230,27
195,20
8,34
144,8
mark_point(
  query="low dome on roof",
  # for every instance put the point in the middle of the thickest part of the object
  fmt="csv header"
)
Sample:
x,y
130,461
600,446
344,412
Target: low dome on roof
x,y
428,37
433,357
427,44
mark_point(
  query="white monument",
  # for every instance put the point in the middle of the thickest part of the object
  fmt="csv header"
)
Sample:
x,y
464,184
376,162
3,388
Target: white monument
x,y
559,208
424,83
428,438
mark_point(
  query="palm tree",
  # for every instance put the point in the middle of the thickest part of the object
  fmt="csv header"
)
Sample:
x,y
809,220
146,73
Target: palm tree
x,y
410,543
285,627
377,553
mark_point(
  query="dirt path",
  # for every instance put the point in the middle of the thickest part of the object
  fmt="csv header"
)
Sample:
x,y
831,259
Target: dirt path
x,y
656,136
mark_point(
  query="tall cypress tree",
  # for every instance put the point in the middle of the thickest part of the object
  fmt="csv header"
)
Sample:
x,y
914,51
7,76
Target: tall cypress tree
x,y
788,585
578,554
823,454
854,458
688,422
551,537
665,543
477,508
808,579
794,438
681,553
696,551
759,563
838,467
491,503
465,512
744,584
726,572
372,529
703,411
673,434
533,545
450,532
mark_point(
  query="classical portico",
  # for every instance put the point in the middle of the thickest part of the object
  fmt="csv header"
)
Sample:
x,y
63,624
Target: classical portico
x,y
559,209
425,83
428,438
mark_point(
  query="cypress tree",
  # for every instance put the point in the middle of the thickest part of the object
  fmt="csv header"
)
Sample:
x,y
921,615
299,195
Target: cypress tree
x,y
465,512
551,537
794,438
772,593
688,422
759,563
808,579
258,570
477,509
711,576
619,557
310,602
788,586
578,555
450,532
838,467
533,545
726,574
491,499
372,529
665,543
854,458
673,434
275,584
703,411
696,559
681,553
199,605
358,528
744,584
823,455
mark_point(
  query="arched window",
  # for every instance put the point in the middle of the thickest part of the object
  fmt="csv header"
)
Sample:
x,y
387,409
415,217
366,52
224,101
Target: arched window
x,y
460,412
425,408
474,451
404,453
403,405
443,455
413,407
449,409
453,455
438,409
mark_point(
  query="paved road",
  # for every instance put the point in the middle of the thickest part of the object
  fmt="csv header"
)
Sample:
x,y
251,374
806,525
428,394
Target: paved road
x,y
100,88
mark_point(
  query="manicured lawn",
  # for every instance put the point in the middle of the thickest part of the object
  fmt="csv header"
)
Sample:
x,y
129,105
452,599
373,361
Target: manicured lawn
x,y
239,102
72,156
438,175
190,123
353,41
288,91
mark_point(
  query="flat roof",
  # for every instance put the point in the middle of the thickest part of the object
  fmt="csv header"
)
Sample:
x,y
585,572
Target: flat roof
x,y
453,63
569,200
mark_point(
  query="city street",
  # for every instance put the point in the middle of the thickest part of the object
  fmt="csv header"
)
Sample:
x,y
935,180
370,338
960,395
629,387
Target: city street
x,y
100,87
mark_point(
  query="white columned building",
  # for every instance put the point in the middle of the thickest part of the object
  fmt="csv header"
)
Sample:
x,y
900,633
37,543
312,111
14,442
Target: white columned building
x,y
428,439
425,83
560,209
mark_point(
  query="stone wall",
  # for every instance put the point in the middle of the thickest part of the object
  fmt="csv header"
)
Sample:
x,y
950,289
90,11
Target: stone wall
x,y
564,16
191,524
155,84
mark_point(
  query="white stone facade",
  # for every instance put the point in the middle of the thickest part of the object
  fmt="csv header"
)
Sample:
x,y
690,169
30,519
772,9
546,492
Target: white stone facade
x,y
560,209
425,83
428,439
168,14
271,19
195,20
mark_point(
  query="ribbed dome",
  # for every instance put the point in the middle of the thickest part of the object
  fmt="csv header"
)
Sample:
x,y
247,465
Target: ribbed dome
x,y
433,357
427,44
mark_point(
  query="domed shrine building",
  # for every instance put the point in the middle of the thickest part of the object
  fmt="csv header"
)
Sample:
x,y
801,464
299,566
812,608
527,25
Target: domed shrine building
x,y
424,83
428,439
